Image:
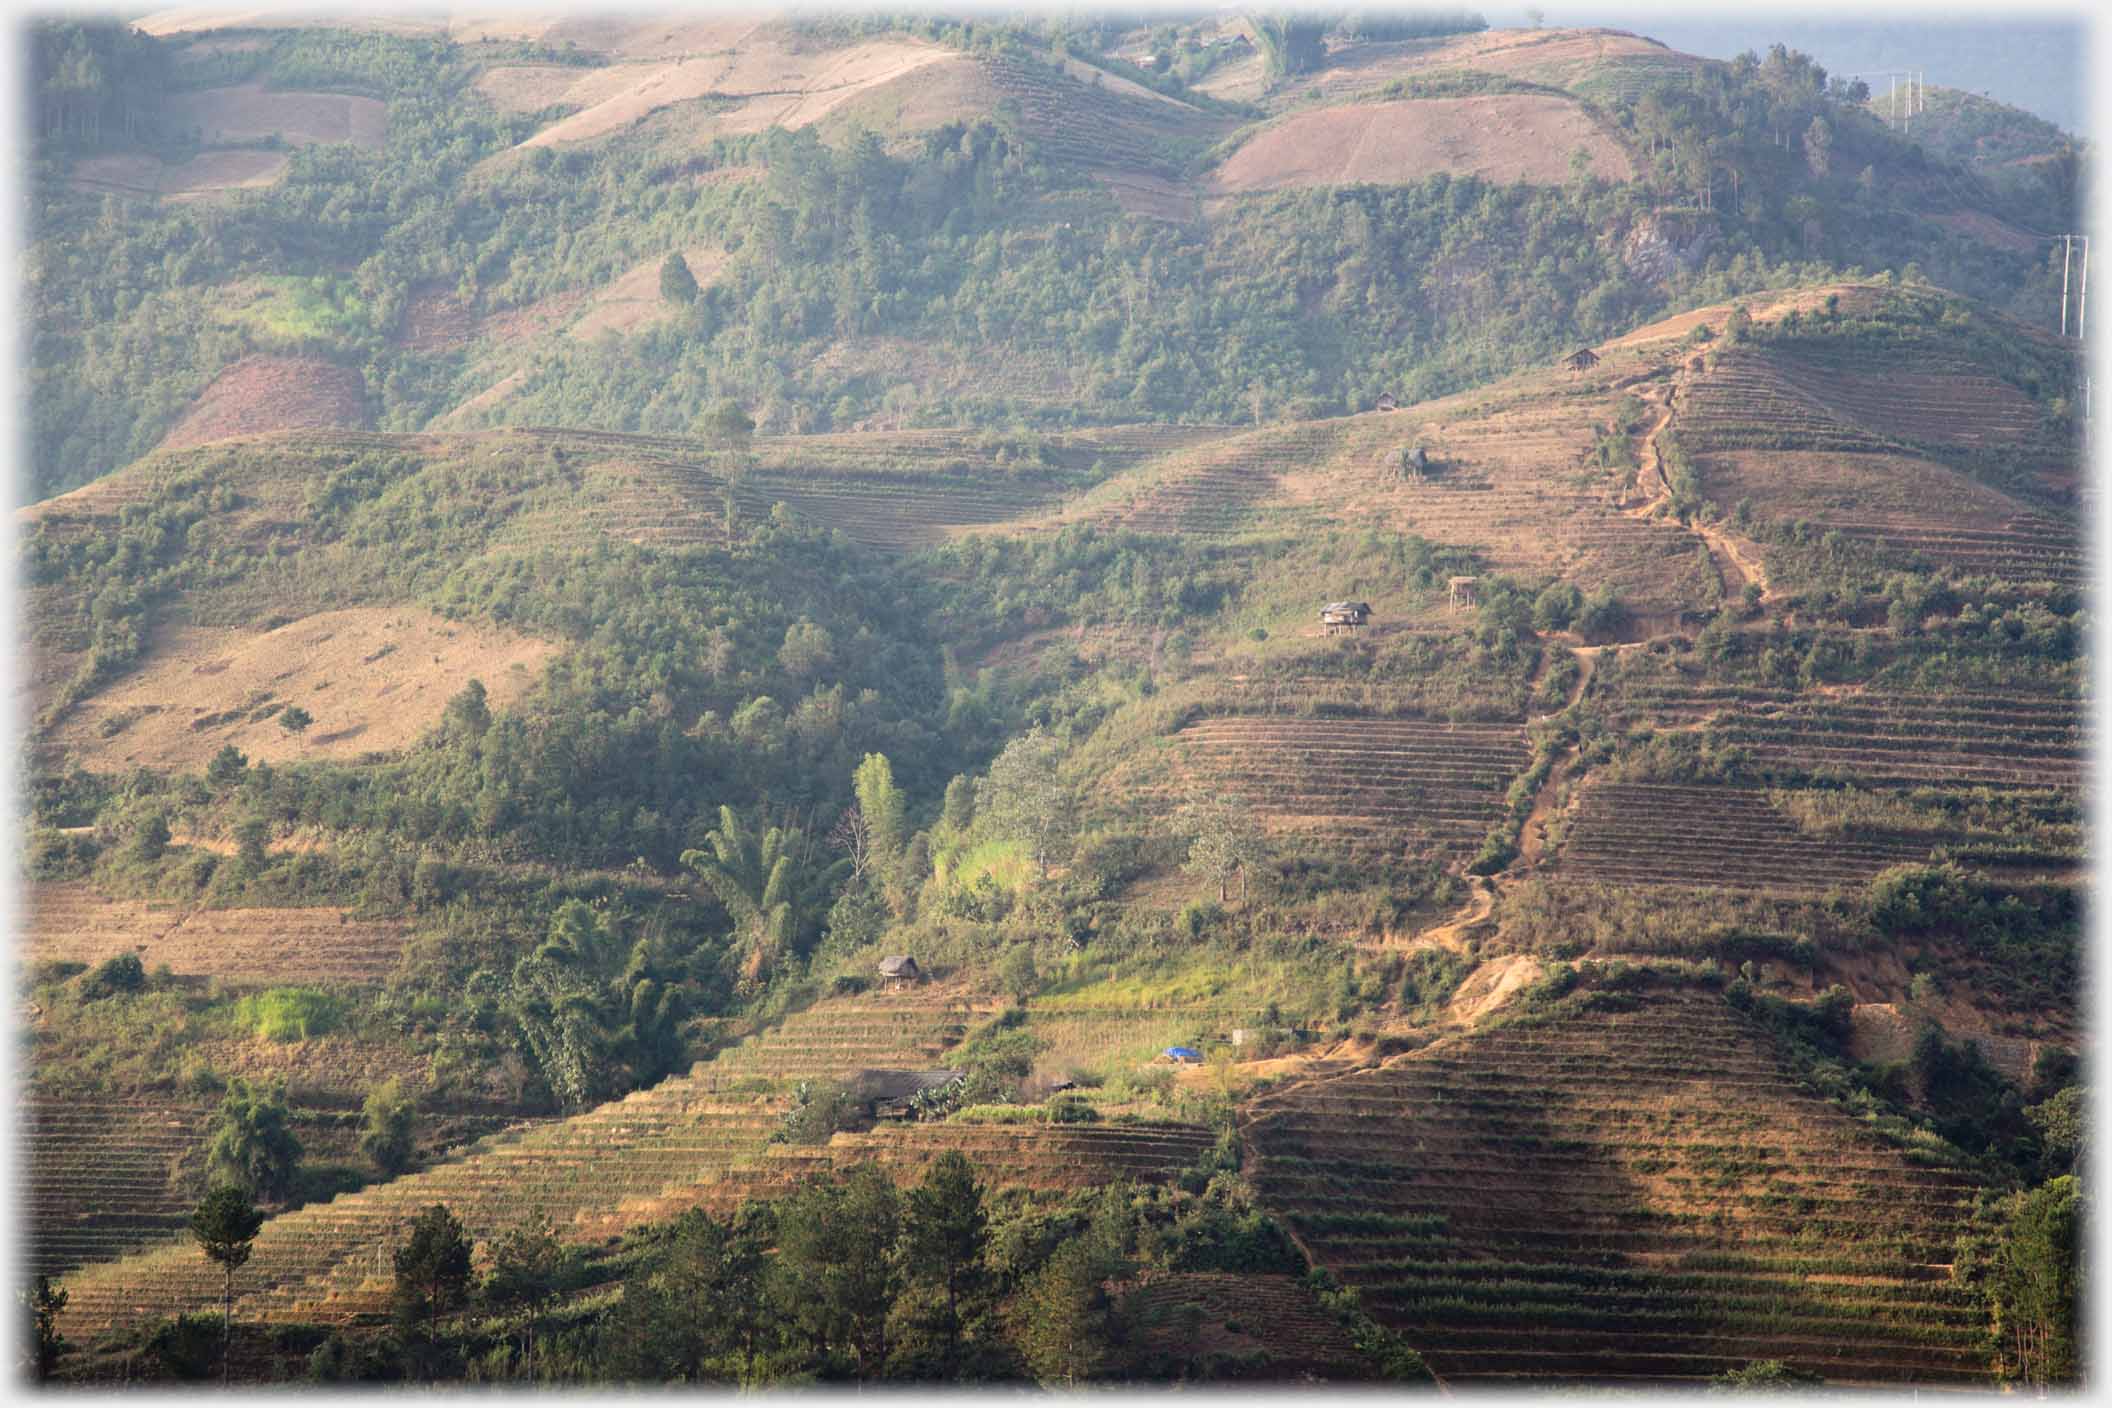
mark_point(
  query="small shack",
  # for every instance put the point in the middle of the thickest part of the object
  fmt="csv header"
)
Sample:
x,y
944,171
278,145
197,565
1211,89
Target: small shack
x,y
1343,617
1387,403
1459,591
1581,360
893,1095
899,970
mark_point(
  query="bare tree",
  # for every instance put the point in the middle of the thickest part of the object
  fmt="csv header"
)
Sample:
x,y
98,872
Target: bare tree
x,y
1227,842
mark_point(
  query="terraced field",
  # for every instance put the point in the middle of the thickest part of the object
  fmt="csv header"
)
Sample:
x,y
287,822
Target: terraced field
x,y
1884,739
2027,547
1220,487
1640,1194
1085,1036
836,1037
695,1140
330,1261
1435,786
1751,398
1037,1157
241,947
1805,400
896,491
1718,834
1655,834
97,1178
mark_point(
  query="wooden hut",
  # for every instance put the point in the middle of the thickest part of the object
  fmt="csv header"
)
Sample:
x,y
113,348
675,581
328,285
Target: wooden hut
x,y
899,970
892,1095
1581,360
1343,617
1459,591
1387,403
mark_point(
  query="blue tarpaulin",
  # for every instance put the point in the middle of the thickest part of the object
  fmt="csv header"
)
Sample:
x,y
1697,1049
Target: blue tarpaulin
x,y
1184,1053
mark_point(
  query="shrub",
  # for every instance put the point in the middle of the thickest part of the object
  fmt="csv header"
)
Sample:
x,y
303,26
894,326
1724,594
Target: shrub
x,y
290,1014
387,1138
58,855
820,1112
252,1145
185,1345
1907,899
122,974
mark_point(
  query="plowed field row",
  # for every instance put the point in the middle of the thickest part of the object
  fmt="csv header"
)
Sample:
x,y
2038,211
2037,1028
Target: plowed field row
x,y
1635,1195
244,947
1442,782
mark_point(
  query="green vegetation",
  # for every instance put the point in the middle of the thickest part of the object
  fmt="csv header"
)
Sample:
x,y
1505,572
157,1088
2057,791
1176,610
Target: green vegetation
x,y
1020,684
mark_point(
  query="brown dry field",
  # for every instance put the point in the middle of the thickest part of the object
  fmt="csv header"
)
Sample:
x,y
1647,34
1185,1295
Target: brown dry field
x,y
258,395
207,174
249,112
633,301
246,947
951,88
198,19
1507,137
1557,57
772,83
374,678
517,88
1762,307
1827,486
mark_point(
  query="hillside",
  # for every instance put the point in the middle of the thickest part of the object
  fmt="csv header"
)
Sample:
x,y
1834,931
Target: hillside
x,y
636,526
1138,215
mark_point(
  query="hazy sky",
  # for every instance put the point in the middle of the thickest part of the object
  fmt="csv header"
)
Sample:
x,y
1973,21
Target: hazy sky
x,y
2037,61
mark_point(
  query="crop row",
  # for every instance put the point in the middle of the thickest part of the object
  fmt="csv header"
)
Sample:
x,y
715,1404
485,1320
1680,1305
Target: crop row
x,y
1504,1194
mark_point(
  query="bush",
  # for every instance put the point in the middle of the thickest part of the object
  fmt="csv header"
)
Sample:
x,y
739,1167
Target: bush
x,y
1556,607
1909,899
187,1344
290,1014
821,1112
389,1116
58,855
122,974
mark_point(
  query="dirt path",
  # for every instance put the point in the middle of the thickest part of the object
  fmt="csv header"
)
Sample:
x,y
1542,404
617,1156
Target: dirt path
x,y
1450,934
1737,561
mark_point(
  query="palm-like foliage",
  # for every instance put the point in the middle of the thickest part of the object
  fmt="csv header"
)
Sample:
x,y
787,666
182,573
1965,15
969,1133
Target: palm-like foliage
x,y
770,885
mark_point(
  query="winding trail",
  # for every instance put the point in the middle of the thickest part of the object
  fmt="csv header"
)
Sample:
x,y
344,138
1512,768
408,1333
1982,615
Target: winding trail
x,y
1737,561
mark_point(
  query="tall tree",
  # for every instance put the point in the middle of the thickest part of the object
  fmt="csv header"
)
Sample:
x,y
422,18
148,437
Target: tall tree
x,y
389,1117
767,884
47,1346
253,1145
945,1234
226,1224
838,1272
1025,797
882,805
433,1269
677,283
1227,842
2034,1279
529,1270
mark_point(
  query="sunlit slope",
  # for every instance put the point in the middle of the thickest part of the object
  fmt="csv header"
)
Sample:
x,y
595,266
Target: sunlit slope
x,y
1632,1189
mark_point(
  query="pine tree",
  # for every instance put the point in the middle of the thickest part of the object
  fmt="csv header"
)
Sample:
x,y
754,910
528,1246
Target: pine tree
x,y
677,283
226,1226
